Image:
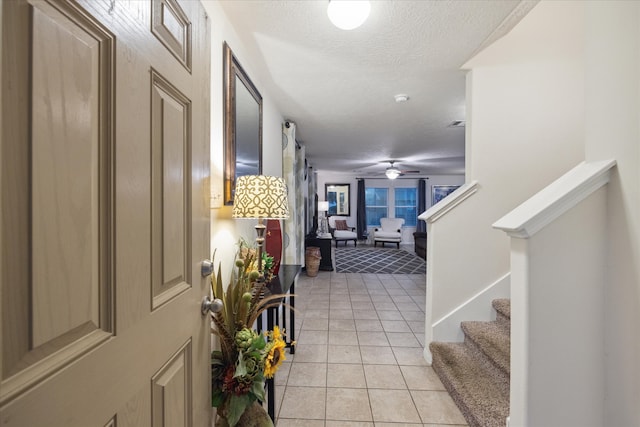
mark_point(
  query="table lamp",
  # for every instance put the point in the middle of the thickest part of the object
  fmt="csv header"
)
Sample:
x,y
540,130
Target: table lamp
x,y
323,207
260,197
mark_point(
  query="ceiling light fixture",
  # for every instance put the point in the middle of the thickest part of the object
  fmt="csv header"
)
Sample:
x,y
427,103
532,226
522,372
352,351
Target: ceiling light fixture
x,y
348,14
401,97
392,172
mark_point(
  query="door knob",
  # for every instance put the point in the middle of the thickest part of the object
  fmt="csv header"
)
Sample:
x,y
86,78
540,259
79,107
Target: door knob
x,y
206,268
214,306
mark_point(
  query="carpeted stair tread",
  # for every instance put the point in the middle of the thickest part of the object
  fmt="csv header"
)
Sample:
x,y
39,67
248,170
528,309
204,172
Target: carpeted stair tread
x,y
482,397
492,340
502,306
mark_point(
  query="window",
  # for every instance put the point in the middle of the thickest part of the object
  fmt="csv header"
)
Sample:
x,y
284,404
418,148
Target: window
x,y
405,204
376,203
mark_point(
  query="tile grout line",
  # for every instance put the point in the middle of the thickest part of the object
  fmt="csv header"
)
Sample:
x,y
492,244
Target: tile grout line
x,y
336,287
364,374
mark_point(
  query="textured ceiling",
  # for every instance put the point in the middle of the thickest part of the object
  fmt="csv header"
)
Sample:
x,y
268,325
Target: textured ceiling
x,y
338,86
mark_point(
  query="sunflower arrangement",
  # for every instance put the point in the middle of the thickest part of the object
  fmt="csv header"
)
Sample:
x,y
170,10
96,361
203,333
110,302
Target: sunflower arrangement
x,y
246,358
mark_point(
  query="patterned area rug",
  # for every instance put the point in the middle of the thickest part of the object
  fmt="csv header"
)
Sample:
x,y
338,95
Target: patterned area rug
x,y
378,260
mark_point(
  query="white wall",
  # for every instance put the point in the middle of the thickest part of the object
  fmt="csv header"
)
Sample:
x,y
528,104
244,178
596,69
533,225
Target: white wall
x,y
325,177
612,130
514,86
226,231
562,86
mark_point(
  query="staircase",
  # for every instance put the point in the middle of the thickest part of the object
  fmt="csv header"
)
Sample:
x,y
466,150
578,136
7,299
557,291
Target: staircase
x,y
476,372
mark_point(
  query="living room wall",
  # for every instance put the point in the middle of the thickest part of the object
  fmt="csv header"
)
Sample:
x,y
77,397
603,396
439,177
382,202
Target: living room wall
x,y
325,177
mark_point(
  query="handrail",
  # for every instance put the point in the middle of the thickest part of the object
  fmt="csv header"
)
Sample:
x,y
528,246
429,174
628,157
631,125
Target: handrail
x,y
555,199
437,211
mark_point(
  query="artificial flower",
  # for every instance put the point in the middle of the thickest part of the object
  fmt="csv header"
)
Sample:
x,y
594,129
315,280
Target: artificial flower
x,y
245,358
276,355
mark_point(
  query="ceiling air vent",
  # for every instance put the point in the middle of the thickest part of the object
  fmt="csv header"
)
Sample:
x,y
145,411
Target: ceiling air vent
x,y
456,124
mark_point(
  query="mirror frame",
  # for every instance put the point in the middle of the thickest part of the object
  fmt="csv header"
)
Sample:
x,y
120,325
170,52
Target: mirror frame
x,y
345,212
233,69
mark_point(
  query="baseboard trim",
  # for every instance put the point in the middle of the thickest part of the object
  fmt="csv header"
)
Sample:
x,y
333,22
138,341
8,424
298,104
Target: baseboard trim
x,y
427,355
478,307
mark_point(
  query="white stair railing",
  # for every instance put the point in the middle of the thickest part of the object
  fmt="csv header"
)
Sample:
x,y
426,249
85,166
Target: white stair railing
x,y
558,240
430,216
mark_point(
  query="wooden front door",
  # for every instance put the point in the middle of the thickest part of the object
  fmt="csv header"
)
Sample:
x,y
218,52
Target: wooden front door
x,y
104,166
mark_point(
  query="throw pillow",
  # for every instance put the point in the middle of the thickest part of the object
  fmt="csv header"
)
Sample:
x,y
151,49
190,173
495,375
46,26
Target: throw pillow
x,y
341,224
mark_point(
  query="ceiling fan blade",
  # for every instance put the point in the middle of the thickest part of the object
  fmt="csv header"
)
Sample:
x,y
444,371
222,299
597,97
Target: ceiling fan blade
x,y
410,171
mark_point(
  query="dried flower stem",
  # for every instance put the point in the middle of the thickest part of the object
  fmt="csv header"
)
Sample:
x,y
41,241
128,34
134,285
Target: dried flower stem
x,y
227,342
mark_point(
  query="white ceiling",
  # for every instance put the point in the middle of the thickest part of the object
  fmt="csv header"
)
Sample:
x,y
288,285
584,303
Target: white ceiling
x,y
338,86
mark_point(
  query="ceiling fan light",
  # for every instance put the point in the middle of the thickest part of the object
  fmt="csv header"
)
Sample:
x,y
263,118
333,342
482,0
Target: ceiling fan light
x,y
348,14
392,173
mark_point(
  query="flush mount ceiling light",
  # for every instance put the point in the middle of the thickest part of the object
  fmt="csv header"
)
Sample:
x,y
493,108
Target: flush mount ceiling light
x,y
348,14
401,97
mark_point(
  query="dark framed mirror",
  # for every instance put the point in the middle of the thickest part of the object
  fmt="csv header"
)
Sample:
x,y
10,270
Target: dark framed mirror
x,y
242,125
339,198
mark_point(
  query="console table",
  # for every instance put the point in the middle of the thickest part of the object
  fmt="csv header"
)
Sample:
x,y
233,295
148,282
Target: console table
x,y
283,283
324,243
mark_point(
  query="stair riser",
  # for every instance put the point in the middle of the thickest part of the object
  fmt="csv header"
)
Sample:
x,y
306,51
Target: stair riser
x,y
459,401
472,385
504,320
476,371
496,370
490,340
502,306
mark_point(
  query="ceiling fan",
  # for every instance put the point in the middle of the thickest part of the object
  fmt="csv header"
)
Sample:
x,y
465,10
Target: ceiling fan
x,y
393,172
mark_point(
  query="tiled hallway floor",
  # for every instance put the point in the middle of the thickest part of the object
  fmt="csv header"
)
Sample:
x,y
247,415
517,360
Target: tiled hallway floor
x,y
359,360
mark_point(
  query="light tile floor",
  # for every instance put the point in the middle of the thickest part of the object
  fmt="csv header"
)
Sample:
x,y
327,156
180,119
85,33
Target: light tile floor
x,y
359,359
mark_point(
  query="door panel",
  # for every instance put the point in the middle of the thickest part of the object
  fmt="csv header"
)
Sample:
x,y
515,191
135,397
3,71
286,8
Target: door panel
x,y
170,395
103,165
171,195
65,182
171,27
55,285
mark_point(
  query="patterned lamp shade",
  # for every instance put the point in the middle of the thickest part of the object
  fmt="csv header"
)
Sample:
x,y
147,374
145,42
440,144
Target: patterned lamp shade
x,y
260,196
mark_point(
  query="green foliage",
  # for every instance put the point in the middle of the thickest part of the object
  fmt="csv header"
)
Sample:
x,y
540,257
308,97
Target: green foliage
x,y
237,405
217,397
237,369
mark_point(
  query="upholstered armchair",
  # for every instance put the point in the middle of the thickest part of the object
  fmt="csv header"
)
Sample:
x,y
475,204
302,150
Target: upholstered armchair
x,y
341,232
390,231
